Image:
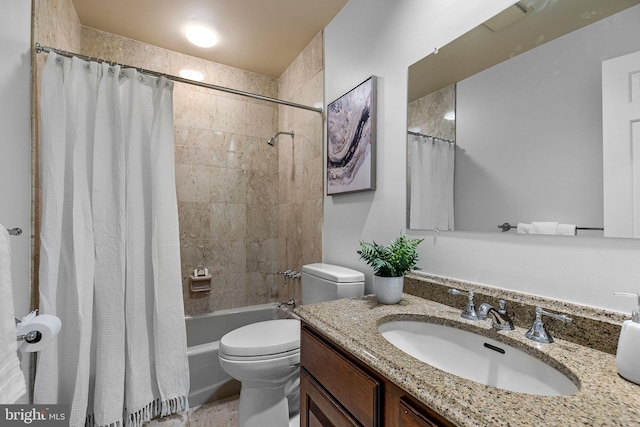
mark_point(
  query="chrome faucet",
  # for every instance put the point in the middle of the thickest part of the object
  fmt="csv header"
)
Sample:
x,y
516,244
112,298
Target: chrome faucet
x,y
469,312
500,319
538,332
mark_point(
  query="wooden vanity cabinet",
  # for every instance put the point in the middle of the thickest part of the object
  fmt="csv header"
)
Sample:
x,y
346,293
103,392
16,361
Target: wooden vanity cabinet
x,y
338,390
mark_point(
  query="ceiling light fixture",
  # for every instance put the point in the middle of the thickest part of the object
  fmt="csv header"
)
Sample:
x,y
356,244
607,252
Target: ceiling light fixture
x,y
201,35
191,75
451,115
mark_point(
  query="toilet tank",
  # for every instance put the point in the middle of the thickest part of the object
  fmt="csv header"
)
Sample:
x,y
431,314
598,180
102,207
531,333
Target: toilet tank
x,y
325,282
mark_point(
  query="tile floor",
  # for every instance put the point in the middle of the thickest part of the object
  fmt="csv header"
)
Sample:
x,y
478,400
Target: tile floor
x,y
222,413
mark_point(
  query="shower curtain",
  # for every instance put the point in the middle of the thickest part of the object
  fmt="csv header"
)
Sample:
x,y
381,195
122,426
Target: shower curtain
x,y
110,256
432,172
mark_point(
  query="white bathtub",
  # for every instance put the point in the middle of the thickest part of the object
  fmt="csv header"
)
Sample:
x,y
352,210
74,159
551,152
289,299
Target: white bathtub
x,y
204,331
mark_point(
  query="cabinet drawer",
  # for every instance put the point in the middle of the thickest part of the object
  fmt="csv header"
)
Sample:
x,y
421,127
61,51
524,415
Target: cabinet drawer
x,y
411,416
353,388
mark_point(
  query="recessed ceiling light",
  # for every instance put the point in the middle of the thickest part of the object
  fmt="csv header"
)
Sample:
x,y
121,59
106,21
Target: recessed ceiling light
x,y
451,115
201,35
191,75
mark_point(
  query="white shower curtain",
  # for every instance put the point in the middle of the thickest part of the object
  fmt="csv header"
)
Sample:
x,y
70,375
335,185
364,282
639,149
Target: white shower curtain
x,y
110,255
432,173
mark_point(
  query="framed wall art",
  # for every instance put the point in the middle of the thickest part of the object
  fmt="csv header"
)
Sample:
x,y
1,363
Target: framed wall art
x,y
351,140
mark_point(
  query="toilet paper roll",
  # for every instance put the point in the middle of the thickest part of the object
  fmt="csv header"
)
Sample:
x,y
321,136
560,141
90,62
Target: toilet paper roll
x,y
47,325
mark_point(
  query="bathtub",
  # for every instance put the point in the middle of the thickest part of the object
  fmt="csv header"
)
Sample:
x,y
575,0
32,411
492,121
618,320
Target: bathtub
x,y
204,331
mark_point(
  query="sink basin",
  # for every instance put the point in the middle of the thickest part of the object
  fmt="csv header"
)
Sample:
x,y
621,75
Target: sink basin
x,y
476,358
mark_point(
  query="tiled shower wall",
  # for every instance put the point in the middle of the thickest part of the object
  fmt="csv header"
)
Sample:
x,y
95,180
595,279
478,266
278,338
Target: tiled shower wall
x,y
229,183
301,167
427,113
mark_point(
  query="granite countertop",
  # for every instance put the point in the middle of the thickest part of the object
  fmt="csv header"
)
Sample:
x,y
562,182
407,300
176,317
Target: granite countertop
x,y
604,398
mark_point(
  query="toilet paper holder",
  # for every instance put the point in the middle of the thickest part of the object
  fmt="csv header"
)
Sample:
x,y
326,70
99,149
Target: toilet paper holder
x,y
32,337
35,332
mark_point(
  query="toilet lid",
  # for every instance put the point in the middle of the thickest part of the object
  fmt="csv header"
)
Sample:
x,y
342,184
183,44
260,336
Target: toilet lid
x,y
262,338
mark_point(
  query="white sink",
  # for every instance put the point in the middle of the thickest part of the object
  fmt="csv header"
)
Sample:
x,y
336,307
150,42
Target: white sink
x,y
476,358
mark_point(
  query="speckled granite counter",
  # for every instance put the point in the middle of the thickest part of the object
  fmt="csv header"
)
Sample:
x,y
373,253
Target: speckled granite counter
x,y
604,399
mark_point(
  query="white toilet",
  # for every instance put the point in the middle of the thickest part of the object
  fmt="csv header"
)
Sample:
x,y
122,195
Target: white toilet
x,y
265,356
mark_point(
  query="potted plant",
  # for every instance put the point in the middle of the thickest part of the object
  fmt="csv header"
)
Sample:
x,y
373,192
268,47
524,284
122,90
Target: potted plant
x,y
390,263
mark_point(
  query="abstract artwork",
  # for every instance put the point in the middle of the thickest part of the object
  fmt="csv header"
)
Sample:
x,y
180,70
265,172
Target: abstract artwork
x,y
351,154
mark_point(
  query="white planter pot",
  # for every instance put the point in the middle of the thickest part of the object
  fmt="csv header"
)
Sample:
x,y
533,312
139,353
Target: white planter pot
x,y
388,289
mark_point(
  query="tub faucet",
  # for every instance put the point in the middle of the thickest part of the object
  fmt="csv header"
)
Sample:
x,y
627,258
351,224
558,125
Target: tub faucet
x,y
291,303
500,319
469,312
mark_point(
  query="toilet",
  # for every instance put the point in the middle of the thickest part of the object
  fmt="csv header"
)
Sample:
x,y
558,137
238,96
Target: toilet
x,y
265,356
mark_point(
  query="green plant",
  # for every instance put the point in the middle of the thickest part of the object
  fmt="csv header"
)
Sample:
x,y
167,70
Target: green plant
x,y
393,260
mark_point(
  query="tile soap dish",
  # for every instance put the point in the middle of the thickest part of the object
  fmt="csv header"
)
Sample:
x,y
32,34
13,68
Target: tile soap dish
x,y
200,280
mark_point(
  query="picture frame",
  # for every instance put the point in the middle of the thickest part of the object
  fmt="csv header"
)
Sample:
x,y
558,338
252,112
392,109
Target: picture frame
x,y
351,140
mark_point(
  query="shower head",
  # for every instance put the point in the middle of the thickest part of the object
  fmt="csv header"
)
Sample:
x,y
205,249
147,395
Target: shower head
x,y
272,140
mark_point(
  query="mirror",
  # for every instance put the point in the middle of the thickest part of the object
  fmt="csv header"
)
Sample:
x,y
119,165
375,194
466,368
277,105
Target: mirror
x,y
526,91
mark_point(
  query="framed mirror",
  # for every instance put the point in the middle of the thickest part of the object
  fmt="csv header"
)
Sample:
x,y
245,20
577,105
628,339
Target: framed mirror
x,y
520,99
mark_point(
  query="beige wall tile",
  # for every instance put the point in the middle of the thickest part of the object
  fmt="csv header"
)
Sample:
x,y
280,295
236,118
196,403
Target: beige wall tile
x,y
228,222
262,222
262,188
301,180
192,183
99,44
143,55
227,256
262,156
260,120
195,219
262,256
228,185
229,150
313,178
192,108
312,220
228,115
195,146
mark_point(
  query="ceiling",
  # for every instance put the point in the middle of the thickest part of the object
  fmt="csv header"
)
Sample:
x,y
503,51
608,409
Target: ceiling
x,y
263,36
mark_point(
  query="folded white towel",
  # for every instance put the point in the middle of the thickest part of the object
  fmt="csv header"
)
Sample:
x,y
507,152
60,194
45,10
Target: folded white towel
x,y
567,229
543,227
12,384
523,228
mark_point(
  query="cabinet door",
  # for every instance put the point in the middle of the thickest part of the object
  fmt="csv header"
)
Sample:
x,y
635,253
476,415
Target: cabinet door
x,y
318,408
358,392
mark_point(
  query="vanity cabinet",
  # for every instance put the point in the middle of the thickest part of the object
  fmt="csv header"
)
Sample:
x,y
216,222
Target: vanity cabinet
x,y
338,390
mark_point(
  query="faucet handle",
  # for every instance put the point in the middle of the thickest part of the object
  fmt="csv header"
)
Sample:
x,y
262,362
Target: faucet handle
x,y
469,312
502,306
538,332
470,294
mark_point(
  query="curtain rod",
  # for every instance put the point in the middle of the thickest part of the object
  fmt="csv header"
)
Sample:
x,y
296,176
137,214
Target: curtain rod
x,y
450,141
40,49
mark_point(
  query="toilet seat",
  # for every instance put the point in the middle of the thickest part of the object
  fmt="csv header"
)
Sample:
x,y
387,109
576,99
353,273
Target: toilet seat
x,y
262,340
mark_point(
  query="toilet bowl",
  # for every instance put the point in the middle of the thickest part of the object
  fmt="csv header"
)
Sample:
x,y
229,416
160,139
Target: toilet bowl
x,y
265,356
